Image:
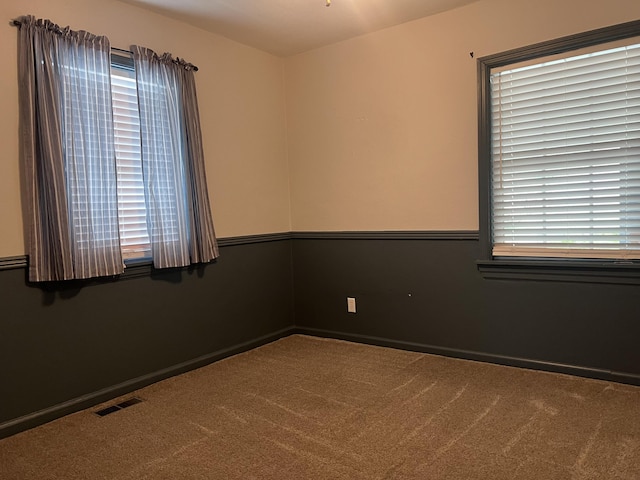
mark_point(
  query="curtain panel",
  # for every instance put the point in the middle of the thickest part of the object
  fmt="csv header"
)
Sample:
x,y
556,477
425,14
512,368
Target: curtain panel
x,y
69,165
67,152
179,216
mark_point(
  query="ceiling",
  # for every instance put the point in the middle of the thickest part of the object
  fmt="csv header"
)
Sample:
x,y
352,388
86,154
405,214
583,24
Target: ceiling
x,y
287,27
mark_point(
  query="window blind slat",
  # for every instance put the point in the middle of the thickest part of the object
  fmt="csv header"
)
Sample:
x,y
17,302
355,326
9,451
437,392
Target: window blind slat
x,y
592,161
516,116
606,92
579,66
574,85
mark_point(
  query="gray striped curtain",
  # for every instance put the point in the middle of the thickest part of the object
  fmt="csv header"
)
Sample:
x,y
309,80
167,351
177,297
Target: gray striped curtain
x,y
67,150
178,212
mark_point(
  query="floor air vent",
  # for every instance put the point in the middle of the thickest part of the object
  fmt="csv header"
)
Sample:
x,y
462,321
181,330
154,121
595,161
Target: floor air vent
x,y
118,406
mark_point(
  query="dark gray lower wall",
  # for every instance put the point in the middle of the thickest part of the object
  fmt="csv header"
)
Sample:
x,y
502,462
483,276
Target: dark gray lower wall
x,y
427,294
66,347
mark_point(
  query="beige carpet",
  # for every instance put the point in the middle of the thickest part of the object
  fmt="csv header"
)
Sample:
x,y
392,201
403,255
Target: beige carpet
x,y
308,408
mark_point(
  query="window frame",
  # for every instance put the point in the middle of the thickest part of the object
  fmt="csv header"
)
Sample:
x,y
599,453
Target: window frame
x,y
559,269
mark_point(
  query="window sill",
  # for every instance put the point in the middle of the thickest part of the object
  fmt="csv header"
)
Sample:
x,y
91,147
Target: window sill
x,y
584,271
136,268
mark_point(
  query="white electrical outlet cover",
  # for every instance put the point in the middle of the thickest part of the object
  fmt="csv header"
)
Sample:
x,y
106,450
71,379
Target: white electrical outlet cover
x,y
351,305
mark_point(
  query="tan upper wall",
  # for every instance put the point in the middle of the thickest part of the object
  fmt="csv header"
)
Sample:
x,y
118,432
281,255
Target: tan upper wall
x,y
241,96
383,130
380,130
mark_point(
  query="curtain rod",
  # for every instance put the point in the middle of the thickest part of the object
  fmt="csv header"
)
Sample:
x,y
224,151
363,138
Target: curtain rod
x,y
178,61
17,23
122,50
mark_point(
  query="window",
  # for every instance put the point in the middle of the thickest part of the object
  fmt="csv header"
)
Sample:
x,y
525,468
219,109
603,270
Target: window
x,y
132,210
81,107
559,149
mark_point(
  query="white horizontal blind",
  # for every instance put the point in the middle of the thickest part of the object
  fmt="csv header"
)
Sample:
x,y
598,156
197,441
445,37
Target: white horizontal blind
x,y
132,211
566,157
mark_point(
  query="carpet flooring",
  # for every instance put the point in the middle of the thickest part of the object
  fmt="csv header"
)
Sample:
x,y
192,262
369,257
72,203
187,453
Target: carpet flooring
x,y
310,408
